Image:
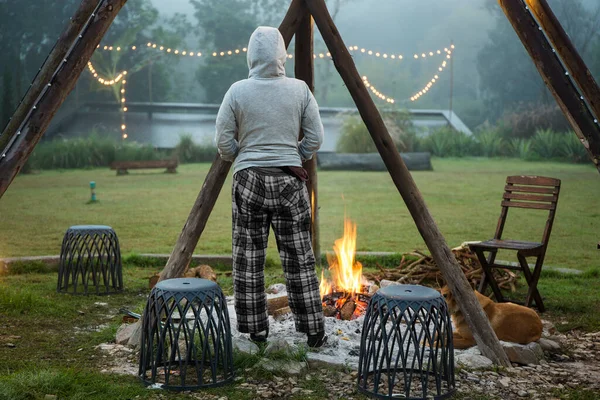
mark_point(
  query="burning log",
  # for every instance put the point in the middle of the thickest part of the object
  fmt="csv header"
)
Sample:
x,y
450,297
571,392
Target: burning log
x,y
329,310
281,312
276,303
347,310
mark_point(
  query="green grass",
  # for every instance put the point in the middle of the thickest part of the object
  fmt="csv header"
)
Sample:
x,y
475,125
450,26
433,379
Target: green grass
x,y
148,210
56,336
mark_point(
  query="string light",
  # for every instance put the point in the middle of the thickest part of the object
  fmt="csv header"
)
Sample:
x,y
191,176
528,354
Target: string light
x,y
417,95
105,81
433,80
392,56
110,82
124,134
376,92
224,53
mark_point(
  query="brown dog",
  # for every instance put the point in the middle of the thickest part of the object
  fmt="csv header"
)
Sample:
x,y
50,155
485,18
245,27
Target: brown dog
x,y
203,271
511,322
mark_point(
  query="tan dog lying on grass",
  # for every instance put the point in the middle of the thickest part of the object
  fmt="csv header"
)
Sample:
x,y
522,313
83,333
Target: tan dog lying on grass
x,y
511,322
202,271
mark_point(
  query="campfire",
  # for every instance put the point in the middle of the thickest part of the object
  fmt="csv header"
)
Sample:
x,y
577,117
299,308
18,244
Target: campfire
x,y
345,294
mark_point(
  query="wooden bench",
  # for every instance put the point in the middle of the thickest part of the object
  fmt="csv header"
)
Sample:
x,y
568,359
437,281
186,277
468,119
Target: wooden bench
x,y
123,166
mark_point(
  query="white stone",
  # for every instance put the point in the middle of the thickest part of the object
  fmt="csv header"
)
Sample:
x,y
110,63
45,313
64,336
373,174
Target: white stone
x,y
136,335
549,345
385,283
124,333
285,366
473,361
244,345
277,345
505,381
531,353
320,360
277,288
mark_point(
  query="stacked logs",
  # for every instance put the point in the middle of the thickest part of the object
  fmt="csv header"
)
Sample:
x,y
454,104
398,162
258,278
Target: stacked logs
x,y
417,267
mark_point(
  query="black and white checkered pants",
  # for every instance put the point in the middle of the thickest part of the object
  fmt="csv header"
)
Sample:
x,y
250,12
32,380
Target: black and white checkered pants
x,y
281,201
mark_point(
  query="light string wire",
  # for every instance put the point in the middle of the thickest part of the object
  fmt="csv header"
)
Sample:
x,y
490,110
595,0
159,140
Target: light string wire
x,y
422,91
565,69
49,84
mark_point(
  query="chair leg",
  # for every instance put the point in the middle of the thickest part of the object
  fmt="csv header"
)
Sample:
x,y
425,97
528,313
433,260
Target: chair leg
x,y
484,278
488,277
532,281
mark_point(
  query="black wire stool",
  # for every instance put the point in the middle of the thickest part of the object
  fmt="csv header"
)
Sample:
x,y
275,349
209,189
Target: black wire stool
x,y
406,348
186,336
90,255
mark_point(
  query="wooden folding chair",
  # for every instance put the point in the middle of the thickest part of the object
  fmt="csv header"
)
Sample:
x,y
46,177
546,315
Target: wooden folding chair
x,y
533,192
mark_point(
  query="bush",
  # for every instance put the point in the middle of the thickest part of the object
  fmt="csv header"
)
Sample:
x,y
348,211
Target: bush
x,y
573,150
89,152
528,119
548,144
448,142
355,137
520,148
490,143
187,151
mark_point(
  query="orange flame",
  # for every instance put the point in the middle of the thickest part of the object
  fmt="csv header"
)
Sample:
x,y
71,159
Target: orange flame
x,y
346,273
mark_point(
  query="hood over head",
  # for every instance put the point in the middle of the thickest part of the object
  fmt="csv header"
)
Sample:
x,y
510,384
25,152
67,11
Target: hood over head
x,y
266,53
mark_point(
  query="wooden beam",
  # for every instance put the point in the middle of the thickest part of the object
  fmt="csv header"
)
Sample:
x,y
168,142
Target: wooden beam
x,y
553,73
478,322
567,52
51,64
304,69
196,221
53,84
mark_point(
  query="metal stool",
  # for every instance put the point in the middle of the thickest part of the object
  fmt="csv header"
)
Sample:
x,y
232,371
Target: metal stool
x,y
406,348
90,253
186,336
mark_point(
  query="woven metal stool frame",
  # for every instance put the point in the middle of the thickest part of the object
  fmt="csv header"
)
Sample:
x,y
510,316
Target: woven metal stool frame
x,y
394,353
90,255
186,338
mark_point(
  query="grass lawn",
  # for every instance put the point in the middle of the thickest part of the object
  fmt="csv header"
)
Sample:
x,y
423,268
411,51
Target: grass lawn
x,y
54,337
148,210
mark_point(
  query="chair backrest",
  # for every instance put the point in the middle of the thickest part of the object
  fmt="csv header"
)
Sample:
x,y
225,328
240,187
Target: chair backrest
x,y
534,192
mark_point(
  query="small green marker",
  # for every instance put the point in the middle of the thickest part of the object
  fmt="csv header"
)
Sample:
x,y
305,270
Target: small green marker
x,y
93,189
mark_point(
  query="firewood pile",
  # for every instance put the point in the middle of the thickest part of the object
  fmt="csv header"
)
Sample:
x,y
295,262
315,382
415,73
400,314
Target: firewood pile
x,y
423,269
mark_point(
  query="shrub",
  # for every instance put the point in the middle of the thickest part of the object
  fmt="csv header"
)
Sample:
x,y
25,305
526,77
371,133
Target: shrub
x,y
520,148
355,138
572,149
490,143
187,151
548,144
89,152
448,142
528,119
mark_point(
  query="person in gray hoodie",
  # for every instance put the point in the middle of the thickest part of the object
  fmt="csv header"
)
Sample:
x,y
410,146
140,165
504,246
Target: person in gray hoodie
x,y
258,126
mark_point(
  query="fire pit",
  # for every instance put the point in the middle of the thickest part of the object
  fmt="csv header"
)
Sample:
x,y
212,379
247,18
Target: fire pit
x,y
346,293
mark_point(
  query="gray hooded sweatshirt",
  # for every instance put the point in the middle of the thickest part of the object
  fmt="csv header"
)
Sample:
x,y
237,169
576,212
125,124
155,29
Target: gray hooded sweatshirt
x,y
260,118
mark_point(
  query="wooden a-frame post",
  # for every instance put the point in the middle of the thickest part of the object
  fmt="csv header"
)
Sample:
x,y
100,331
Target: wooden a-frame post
x,y
551,69
304,70
54,82
477,320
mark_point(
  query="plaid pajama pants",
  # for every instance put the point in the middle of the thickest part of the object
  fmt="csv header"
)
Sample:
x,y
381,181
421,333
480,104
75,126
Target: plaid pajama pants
x,y
260,201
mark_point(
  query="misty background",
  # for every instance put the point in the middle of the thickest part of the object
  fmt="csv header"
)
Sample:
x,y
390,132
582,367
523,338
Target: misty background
x,y
494,79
